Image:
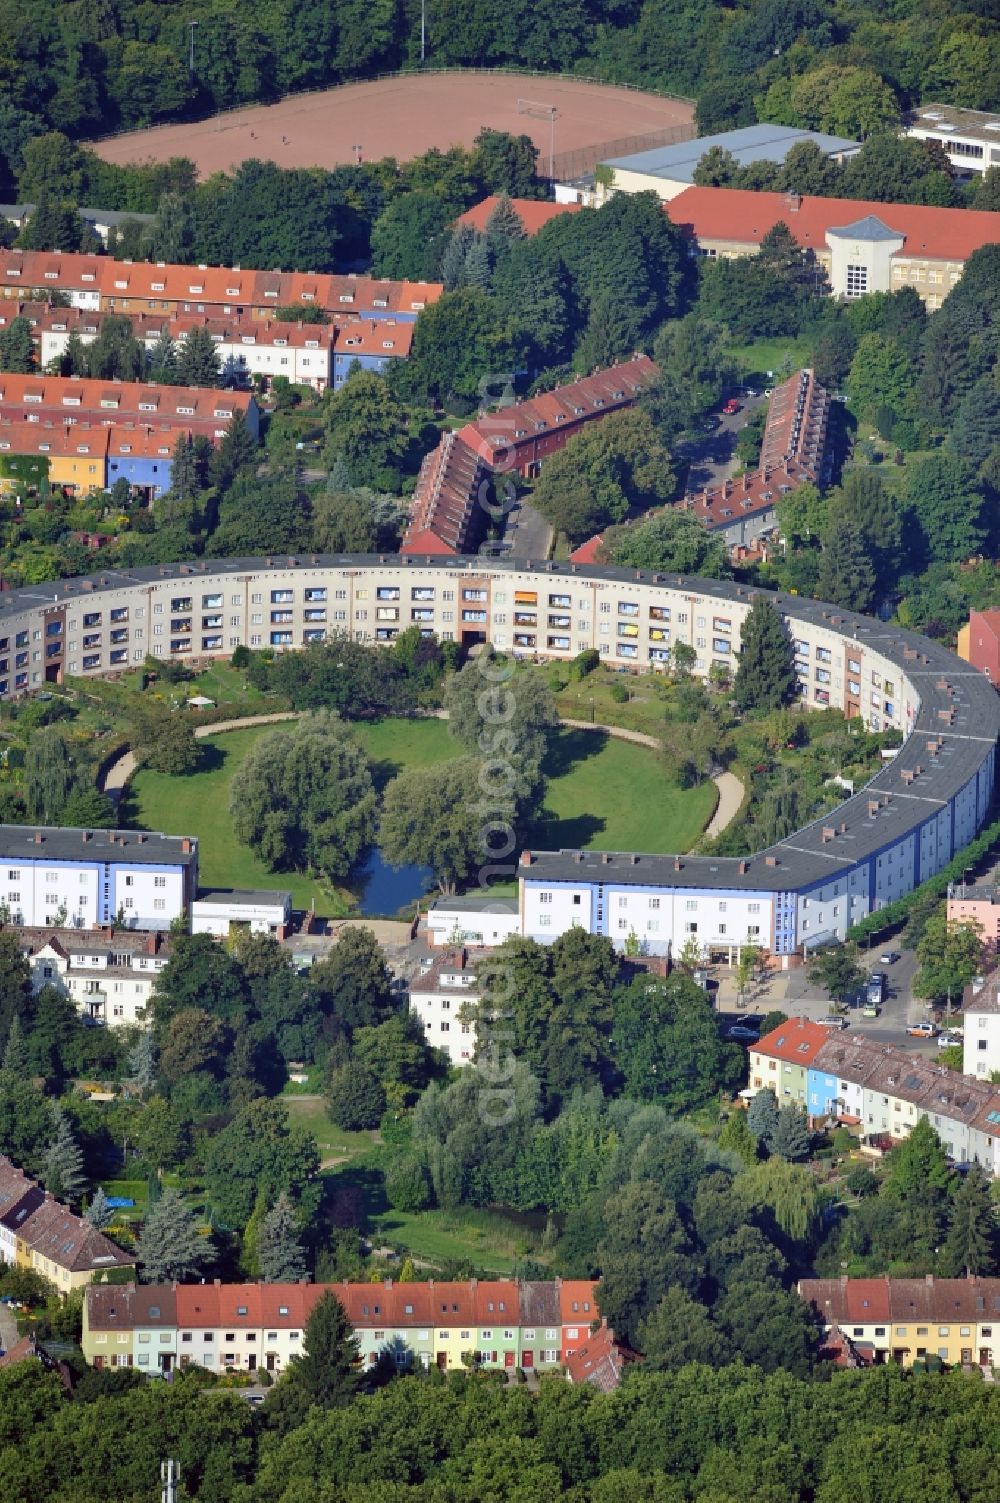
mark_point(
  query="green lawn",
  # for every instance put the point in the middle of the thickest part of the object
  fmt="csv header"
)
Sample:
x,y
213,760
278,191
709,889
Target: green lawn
x,y
614,796
199,805
490,1240
308,1112
605,794
782,356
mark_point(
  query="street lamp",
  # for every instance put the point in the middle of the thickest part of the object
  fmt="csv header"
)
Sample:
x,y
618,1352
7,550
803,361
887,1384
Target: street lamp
x,y
423,29
191,27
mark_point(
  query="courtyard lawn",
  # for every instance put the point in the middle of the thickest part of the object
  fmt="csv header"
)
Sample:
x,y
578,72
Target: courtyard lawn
x,y
198,804
491,1240
614,796
602,793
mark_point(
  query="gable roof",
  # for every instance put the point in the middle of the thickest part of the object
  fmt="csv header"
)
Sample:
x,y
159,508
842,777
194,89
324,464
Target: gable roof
x,y
532,212
600,1361
70,1242
797,1042
742,216
847,1301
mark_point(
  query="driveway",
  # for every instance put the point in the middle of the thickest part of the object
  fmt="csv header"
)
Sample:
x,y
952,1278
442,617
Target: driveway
x,y
527,533
712,456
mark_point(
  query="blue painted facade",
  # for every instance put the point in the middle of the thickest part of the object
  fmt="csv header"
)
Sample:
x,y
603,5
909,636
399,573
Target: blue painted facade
x,y
345,363
150,473
821,1093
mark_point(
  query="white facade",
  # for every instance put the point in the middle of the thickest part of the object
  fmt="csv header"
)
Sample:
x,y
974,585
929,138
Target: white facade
x,y
218,913
472,921
109,978
100,886
981,1041
970,138
439,997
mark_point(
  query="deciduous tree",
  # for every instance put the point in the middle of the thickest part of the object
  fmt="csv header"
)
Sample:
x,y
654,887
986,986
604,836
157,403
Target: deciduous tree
x,y
304,798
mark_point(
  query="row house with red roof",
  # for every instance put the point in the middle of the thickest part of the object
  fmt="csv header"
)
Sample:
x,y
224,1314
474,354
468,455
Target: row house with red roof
x,y
879,1089
954,1321
306,354
84,435
98,282
794,452
38,1232
463,483
499,1323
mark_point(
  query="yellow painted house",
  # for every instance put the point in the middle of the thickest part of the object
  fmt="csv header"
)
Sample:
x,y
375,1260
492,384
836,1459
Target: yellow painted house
x,y
954,1321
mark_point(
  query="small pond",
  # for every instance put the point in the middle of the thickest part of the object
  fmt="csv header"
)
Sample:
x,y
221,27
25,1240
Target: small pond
x,y
382,890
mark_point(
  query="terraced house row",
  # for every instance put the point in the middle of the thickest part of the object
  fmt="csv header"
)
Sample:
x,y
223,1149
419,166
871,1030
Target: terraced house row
x,y
881,1090
903,827
39,1233
84,435
98,283
502,1323
956,1321
306,354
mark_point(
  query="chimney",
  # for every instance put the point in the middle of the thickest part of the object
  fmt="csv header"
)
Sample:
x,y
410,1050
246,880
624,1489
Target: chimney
x,y
526,858
770,860
86,836
39,837
605,858
743,868
151,940
185,846
677,864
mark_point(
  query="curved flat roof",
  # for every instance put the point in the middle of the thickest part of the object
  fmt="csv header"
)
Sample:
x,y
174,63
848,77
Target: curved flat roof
x,y
956,724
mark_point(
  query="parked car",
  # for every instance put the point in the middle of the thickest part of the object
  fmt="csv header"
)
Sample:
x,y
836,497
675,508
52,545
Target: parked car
x,y
922,1030
949,1038
870,1010
733,405
890,957
832,1020
743,1033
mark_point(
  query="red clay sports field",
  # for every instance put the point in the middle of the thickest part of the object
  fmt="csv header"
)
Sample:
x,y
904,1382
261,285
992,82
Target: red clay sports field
x,y
405,115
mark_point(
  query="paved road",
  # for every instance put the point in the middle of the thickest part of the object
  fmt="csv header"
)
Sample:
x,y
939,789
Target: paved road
x,y
793,993
712,456
527,532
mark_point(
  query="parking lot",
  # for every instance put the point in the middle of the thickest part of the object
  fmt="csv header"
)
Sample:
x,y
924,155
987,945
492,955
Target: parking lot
x,y
793,993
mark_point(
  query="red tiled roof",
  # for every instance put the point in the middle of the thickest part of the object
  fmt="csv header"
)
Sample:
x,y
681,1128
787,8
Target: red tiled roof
x,y
600,1361
743,216
578,1293
847,1301
222,285
588,551
798,1041
532,212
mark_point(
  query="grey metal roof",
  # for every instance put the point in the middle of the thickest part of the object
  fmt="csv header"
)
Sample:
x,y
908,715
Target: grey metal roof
x,y
131,847
751,143
475,903
245,897
868,228
946,686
